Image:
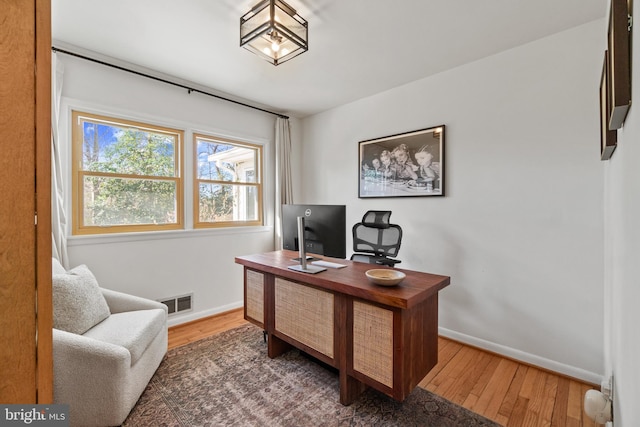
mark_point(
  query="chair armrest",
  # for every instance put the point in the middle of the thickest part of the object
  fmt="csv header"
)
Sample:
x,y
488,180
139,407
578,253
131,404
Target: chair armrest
x,y
84,367
120,302
387,261
69,347
76,356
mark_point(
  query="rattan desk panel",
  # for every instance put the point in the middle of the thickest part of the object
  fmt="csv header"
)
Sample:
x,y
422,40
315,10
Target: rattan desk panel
x,y
254,305
373,342
305,314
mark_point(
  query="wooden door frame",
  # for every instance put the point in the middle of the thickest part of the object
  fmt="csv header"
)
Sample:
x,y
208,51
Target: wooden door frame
x,y
44,314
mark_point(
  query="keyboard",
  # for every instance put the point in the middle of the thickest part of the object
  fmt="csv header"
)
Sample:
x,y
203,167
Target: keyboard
x,y
328,264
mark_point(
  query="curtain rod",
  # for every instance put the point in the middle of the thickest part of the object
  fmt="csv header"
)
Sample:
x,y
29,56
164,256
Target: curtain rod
x,y
189,89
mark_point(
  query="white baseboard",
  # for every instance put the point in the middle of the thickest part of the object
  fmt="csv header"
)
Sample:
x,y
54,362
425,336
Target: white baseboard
x,y
531,359
191,316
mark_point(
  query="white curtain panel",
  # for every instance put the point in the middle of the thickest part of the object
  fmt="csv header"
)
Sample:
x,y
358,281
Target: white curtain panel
x,y
284,182
58,215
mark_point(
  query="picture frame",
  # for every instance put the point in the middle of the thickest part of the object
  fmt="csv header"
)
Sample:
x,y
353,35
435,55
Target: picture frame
x,y
608,137
409,164
619,63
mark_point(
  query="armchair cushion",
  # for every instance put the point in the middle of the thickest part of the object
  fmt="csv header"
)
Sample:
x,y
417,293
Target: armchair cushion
x,y
133,330
78,303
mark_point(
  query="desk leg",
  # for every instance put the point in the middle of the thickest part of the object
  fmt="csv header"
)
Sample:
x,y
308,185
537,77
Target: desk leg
x,y
350,388
276,346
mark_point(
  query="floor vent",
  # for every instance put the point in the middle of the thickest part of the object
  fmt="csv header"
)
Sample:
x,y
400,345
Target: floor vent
x,y
178,304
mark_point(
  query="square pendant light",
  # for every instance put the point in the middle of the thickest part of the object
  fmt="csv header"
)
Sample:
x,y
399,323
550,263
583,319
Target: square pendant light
x,y
274,31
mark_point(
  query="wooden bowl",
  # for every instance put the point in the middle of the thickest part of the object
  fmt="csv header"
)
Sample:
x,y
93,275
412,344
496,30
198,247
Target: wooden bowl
x,y
385,277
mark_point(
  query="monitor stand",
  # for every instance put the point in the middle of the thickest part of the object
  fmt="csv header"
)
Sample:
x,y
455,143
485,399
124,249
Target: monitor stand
x,y
313,269
309,259
305,265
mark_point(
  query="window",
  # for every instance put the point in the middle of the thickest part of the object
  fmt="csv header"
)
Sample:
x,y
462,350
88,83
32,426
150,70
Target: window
x,y
126,176
228,184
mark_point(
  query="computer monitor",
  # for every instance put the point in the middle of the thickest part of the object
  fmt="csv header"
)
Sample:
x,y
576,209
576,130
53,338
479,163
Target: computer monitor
x,y
325,229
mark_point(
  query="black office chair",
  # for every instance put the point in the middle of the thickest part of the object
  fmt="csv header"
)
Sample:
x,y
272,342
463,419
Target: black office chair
x,y
375,240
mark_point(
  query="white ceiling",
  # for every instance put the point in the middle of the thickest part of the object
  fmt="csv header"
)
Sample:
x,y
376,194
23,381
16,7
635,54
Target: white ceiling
x,y
356,47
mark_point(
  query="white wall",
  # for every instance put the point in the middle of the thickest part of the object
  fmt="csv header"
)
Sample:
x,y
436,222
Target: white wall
x,y
520,230
622,287
169,264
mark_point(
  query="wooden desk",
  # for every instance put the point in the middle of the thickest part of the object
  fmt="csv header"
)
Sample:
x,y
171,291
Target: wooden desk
x,y
382,337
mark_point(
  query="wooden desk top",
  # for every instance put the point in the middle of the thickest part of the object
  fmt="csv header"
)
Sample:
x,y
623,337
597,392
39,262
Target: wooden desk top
x,y
350,280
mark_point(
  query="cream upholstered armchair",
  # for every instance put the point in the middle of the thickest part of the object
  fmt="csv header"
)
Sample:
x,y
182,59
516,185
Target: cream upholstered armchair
x,y
106,347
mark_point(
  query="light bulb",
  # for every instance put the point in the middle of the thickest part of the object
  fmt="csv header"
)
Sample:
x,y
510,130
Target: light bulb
x,y
275,46
284,52
266,51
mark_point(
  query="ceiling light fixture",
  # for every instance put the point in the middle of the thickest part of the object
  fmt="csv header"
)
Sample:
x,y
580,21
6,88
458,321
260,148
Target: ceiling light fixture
x,y
274,31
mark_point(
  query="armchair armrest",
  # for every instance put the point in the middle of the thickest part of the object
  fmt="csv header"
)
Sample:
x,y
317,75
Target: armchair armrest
x,y
88,372
120,302
84,363
71,348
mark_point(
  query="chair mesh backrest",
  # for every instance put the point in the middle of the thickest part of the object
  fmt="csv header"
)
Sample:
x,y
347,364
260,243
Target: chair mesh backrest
x,y
377,219
375,235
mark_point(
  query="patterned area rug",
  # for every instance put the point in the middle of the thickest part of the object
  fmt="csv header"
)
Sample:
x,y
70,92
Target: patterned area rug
x,y
228,380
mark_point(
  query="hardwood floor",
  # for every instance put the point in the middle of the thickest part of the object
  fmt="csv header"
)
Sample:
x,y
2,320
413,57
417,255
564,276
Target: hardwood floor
x,y
199,329
506,391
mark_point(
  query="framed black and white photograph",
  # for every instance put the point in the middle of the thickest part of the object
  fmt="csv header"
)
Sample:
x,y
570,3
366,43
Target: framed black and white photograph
x,y
403,165
619,63
608,137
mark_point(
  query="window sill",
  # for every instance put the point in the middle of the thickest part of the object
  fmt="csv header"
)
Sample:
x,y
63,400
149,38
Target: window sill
x,y
162,235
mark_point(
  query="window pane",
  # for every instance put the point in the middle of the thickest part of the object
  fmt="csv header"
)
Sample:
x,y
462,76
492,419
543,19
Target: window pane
x,y
120,201
114,149
218,161
225,203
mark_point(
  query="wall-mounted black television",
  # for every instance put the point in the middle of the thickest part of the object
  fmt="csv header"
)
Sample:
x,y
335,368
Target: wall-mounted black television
x,y
325,229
